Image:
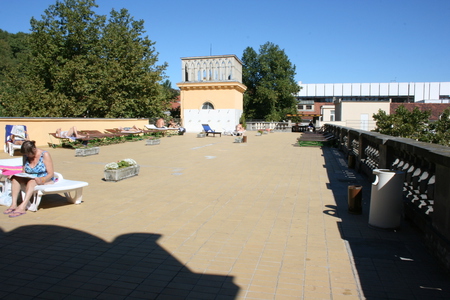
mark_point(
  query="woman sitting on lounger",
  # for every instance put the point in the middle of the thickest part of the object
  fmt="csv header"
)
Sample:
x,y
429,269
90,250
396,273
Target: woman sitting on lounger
x,y
240,130
160,123
72,134
18,135
38,170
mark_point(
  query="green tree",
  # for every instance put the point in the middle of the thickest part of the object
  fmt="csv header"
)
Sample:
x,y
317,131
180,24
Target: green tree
x,y
85,65
403,123
384,122
440,130
13,51
13,54
170,95
271,87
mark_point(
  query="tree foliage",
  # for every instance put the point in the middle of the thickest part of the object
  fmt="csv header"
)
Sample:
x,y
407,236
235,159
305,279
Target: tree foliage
x,y
13,54
172,95
85,65
13,51
440,130
415,125
269,77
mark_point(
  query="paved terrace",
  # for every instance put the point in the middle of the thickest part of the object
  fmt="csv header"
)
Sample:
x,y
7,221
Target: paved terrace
x,y
210,219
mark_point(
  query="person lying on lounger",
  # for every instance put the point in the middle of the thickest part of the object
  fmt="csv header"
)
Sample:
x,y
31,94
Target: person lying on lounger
x,y
72,134
172,124
133,129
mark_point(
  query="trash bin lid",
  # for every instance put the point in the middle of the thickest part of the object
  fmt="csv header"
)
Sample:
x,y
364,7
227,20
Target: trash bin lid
x,y
381,171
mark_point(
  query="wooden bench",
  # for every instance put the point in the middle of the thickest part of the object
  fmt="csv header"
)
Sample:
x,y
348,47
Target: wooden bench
x,y
315,139
62,140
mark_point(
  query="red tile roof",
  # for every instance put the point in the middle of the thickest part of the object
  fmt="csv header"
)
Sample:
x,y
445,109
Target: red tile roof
x,y
436,108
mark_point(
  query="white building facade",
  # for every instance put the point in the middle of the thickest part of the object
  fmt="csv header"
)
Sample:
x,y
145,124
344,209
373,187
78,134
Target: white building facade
x,y
355,103
432,92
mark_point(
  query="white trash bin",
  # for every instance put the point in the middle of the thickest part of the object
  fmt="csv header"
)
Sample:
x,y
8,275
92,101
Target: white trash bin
x,y
386,201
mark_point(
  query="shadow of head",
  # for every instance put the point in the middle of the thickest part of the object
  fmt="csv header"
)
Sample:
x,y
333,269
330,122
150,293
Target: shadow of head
x,y
52,261
332,210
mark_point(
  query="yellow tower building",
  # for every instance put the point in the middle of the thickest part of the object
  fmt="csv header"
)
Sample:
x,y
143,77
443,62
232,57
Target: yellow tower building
x,y
211,92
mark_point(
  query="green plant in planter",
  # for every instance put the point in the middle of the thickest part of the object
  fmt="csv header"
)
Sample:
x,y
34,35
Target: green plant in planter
x,y
127,162
156,135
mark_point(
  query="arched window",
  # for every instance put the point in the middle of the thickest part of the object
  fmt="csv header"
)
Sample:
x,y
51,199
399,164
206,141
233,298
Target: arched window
x,y
207,105
186,73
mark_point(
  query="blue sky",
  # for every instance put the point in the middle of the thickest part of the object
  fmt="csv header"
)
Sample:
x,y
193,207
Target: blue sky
x,y
329,41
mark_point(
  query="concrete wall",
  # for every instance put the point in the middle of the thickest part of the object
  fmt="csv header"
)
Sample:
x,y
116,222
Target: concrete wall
x,y
325,111
39,128
359,114
221,95
218,119
226,97
211,68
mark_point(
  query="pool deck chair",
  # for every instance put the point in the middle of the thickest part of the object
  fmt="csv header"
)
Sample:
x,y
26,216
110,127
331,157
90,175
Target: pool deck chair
x,y
209,131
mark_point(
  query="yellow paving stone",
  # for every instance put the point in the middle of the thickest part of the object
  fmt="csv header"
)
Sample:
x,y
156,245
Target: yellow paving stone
x,y
293,279
316,295
346,297
261,224
286,297
290,286
259,295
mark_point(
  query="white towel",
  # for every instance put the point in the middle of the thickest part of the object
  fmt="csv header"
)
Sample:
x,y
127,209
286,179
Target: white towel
x,y
19,131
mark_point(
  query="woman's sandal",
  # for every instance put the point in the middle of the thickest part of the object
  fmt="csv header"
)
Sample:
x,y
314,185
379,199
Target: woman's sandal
x,y
16,214
9,211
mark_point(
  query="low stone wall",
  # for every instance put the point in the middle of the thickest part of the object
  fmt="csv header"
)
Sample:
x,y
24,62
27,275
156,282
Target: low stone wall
x,y
39,128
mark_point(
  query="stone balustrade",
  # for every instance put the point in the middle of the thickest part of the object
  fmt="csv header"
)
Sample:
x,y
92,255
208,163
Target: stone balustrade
x,y
426,187
261,125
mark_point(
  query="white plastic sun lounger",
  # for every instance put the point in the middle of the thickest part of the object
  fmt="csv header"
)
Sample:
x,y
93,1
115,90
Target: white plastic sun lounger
x,y
153,127
61,186
6,185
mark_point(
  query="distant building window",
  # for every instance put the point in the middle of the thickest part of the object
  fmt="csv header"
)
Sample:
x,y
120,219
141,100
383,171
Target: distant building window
x,y
300,107
309,107
207,105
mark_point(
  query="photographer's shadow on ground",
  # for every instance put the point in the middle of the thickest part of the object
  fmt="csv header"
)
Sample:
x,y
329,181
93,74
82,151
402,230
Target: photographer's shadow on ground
x,y
52,262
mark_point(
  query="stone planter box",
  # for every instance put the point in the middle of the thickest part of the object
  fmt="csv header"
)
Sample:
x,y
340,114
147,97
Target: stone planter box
x,y
87,151
153,142
123,173
258,134
201,135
